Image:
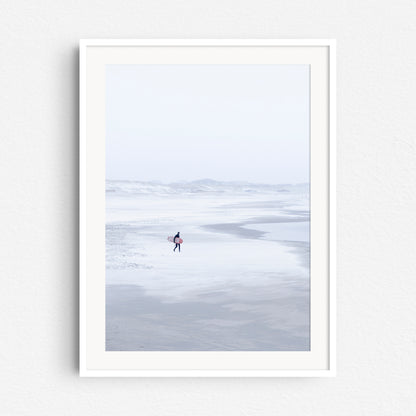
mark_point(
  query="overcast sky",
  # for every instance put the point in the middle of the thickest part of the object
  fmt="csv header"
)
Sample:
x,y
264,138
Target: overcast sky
x,y
225,122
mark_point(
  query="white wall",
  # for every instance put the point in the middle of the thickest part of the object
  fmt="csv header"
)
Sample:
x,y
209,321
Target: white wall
x,y
376,195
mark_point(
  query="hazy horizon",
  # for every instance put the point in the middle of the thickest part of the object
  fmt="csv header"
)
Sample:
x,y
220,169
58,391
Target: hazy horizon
x,y
206,180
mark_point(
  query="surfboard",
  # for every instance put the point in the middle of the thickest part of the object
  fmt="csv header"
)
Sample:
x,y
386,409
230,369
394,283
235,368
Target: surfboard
x,y
177,240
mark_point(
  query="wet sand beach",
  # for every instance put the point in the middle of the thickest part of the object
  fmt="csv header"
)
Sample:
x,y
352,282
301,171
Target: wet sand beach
x,y
241,281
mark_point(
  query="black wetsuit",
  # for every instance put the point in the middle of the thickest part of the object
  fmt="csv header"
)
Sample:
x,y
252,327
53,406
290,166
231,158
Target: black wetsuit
x,y
177,244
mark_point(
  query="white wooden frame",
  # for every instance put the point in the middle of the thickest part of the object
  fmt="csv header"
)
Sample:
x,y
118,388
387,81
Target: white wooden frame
x,y
94,360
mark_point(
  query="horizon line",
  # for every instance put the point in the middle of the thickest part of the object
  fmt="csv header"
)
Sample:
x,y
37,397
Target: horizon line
x,y
155,181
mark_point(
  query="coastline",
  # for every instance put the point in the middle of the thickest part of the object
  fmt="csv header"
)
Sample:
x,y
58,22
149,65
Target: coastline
x,y
240,282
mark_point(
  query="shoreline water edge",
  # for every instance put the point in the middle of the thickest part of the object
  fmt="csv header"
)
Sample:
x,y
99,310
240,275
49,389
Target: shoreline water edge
x,y
240,283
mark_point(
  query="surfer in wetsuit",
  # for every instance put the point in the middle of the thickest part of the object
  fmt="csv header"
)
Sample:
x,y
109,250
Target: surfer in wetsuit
x,y
176,244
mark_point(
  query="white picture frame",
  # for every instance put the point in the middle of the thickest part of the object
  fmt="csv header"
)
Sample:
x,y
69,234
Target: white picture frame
x,y
95,361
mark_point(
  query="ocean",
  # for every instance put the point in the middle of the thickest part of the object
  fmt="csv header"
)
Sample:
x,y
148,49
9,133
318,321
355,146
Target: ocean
x,y
240,282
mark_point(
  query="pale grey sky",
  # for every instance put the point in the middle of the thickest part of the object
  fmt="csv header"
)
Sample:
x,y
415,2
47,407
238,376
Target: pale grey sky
x,y
225,122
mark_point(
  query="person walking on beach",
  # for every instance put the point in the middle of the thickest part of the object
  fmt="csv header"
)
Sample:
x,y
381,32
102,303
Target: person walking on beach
x,y
177,245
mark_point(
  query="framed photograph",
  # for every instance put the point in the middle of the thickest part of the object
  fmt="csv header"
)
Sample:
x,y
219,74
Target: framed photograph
x,y
207,208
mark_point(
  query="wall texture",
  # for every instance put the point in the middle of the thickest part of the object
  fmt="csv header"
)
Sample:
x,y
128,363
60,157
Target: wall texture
x,y
376,206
